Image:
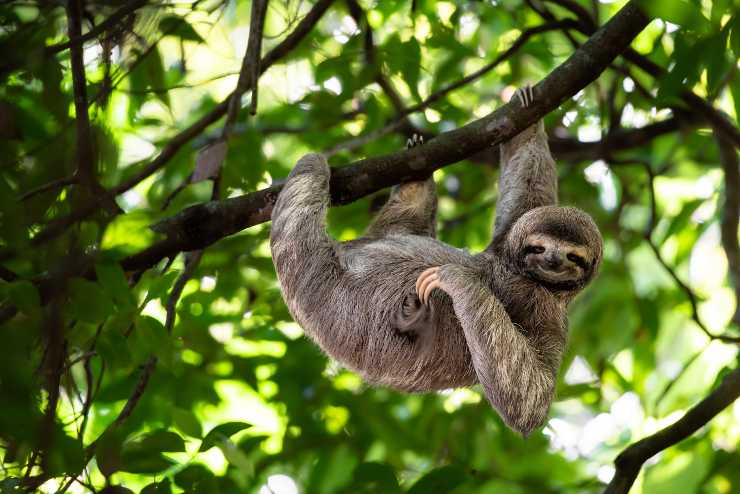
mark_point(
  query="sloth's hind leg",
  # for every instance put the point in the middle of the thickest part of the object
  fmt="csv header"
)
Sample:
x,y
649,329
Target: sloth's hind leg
x,y
411,209
304,254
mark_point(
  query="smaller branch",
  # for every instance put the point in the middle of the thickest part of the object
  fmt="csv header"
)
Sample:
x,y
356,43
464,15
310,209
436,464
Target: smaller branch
x,y
250,70
730,215
111,23
133,400
85,157
630,461
520,41
192,259
53,185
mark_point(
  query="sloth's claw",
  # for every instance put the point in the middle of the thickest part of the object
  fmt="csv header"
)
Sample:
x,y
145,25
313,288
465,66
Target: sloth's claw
x,y
427,281
525,95
415,140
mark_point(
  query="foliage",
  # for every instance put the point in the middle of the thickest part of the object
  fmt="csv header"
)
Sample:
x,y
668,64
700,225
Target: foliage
x,y
98,386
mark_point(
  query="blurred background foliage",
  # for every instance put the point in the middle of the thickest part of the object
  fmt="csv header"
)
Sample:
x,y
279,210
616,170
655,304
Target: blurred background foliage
x,y
237,399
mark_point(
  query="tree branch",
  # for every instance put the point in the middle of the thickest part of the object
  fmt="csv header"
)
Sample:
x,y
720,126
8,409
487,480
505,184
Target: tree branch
x,y
85,159
730,213
630,461
716,118
58,226
203,224
110,23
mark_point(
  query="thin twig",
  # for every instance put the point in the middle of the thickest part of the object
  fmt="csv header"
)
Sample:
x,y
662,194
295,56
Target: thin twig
x,y
109,24
53,185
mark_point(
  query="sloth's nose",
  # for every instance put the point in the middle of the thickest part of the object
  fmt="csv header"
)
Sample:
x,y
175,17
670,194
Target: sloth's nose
x,y
553,259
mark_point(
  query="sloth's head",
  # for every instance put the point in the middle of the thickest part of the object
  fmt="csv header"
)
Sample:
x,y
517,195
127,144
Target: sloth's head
x,y
559,247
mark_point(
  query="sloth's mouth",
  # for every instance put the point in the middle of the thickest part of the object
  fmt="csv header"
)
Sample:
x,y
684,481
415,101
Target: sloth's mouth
x,y
554,276
552,280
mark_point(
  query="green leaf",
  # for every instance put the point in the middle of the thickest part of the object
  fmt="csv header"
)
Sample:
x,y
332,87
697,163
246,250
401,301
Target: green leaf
x,y
143,454
162,487
177,26
372,477
114,282
161,285
681,220
404,58
88,301
440,480
23,294
197,479
151,338
679,12
735,36
160,440
108,451
221,432
128,232
186,421
147,464
147,74
112,345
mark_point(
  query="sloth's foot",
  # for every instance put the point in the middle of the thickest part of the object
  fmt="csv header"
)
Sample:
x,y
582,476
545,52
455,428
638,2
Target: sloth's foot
x,y
413,141
427,281
525,95
412,318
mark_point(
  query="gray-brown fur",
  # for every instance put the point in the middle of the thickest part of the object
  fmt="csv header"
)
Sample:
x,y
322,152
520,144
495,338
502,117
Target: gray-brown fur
x,y
493,323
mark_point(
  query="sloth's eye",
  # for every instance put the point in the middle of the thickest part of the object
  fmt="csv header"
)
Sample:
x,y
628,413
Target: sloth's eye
x,y
576,259
534,249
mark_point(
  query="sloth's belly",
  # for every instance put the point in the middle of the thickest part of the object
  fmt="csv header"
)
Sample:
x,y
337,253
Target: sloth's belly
x,y
376,278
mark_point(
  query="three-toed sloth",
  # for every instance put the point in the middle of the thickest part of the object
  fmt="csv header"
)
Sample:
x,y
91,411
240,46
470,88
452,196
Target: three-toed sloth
x,y
498,318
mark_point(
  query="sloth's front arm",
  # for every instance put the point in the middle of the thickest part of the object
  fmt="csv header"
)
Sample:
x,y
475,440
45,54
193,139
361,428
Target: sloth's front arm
x,y
517,380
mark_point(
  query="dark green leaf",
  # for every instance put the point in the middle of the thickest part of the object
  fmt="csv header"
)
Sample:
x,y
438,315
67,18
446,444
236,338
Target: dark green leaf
x,y
162,487
114,282
88,301
440,480
186,421
23,295
177,26
221,432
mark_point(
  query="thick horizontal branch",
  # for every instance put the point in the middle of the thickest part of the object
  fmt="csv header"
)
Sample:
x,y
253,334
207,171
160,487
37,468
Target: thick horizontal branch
x,y
630,461
203,224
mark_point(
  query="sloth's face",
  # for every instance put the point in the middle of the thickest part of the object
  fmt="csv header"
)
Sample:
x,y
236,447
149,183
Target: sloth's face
x,y
557,263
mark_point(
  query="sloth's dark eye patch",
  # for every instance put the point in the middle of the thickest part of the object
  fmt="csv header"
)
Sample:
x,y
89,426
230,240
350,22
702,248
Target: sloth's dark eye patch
x,y
577,260
534,249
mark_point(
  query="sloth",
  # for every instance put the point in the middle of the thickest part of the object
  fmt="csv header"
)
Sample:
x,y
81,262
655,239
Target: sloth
x,y
407,311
